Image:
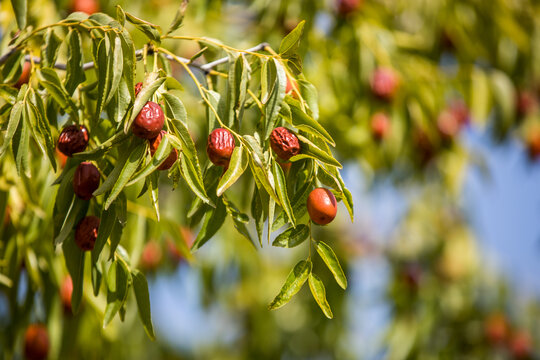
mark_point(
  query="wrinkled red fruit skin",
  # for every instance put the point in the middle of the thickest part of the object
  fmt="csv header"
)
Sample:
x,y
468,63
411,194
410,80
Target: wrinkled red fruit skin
x,y
25,75
86,6
380,125
284,143
66,291
36,342
149,121
85,180
220,147
346,7
87,232
321,206
73,139
138,88
171,159
384,83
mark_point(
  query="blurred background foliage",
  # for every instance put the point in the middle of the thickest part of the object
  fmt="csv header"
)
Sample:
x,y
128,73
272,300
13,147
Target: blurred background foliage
x,y
420,289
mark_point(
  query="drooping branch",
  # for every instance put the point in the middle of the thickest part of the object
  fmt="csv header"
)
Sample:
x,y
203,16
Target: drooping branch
x,y
206,68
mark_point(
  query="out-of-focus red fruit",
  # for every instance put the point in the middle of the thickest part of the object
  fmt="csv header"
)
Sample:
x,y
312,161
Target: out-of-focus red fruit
x,y
36,342
73,139
321,206
521,345
496,329
149,121
448,125
171,159
380,125
384,83
66,291
172,252
526,103
532,142
459,109
425,150
292,87
86,6
151,256
220,147
25,75
346,7
412,275
86,233
86,180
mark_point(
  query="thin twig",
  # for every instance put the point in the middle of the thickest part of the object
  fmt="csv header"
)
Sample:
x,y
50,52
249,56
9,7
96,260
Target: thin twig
x,y
205,68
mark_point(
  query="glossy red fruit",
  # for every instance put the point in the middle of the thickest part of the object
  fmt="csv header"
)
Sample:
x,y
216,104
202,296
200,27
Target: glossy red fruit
x,y
284,143
66,291
87,232
151,256
73,139
85,180
138,88
521,345
380,125
346,7
86,6
220,147
149,121
321,206
496,329
171,159
36,342
25,75
384,83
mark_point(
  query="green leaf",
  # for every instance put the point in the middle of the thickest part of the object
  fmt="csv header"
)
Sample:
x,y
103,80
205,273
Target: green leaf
x,y
319,294
289,45
49,50
332,262
20,8
8,93
237,166
214,99
161,154
213,220
193,179
310,150
21,146
150,84
98,152
140,287
309,93
12,69
281,190
14,120
179,17
130,60
298,204
48,78
262,180
292,237
74,258
74,66
125,152
303,121
277,94
117,65
75,213
153,32
295,280
41,132
120,15
127,171
257,213
118,280
103,67
108,220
